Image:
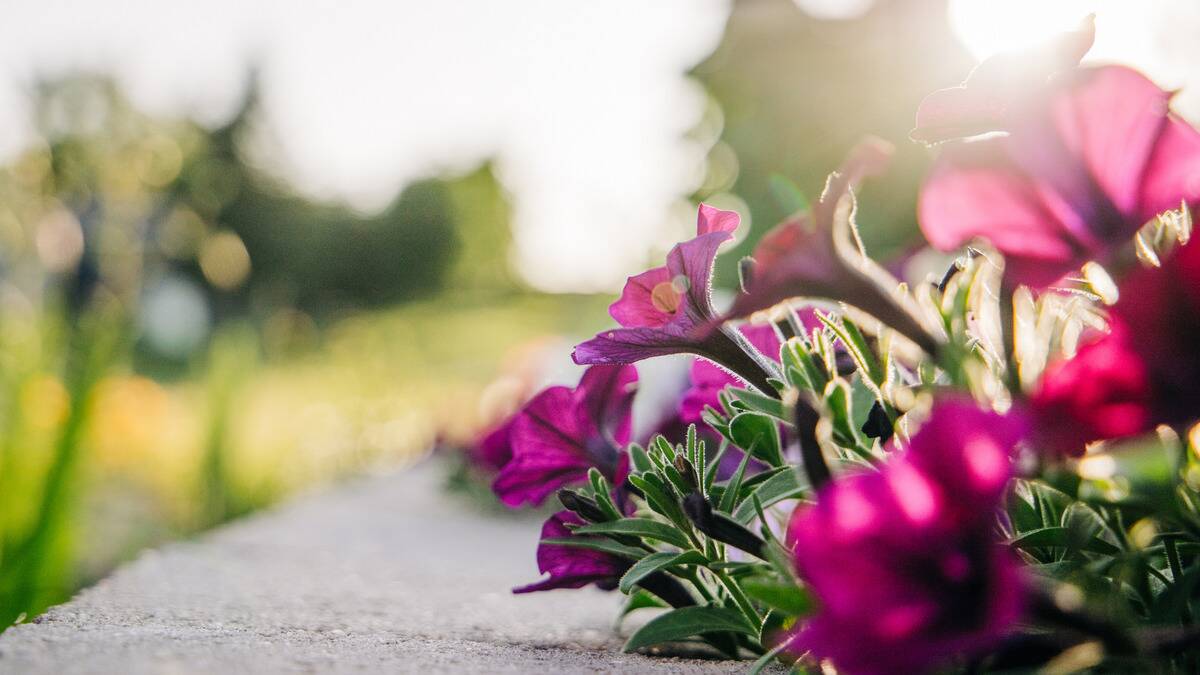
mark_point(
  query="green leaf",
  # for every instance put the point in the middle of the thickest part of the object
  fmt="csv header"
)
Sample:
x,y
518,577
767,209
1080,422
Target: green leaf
x,y
688,622
756,402
729,496
786,597
596,544
1062,537
786,484
758,435
655,562
639,527
641,599
638,458
801,366
659,496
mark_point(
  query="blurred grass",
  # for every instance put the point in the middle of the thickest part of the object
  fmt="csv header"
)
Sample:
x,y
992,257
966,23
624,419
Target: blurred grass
x,y
98,462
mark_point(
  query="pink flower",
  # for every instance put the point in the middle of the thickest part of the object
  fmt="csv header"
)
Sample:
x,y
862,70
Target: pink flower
x,y
1086,159
668,310
904,561
1144,372
563,432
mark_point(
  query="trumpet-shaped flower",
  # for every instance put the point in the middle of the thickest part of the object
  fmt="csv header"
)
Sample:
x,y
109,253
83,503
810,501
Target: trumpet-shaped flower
x,y
1143,372
903,561
1085,159
572,566
563,432
668,310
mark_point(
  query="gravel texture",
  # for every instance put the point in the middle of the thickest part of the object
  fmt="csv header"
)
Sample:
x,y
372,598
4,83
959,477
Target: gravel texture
x,y
380,575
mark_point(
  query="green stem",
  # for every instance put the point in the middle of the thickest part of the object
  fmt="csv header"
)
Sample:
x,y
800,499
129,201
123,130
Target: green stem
x,y
739,598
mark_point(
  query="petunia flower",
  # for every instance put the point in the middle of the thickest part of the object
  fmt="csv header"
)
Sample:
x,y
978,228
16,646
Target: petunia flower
x,y
668,310
1143,372
572,566
493,449
812,255
1085,158
903,561
576,567
562,433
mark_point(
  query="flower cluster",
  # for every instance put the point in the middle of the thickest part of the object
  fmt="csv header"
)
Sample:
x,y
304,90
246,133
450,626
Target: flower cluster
x,y
879,477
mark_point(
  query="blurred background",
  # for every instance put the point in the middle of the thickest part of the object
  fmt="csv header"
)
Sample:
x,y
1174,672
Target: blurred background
x,y
251,247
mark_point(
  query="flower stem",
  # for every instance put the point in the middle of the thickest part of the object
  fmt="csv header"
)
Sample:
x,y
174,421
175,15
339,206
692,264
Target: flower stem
x,y
731,350
739,598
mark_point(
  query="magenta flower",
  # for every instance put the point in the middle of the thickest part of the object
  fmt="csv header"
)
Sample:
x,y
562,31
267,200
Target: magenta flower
x,y
668,310
708,379
811,256
1087,159
904,561
1144,372
571,566
563,432
494,448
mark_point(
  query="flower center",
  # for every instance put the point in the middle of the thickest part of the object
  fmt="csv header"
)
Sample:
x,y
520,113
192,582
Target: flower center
x,y
664,297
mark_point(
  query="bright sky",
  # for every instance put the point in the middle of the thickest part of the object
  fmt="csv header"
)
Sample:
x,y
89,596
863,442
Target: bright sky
x,y
583,101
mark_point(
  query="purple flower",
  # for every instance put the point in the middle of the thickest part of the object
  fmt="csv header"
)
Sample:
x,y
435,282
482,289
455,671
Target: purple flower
x,y
904,561
1086,159
571,566
811,256
668,310
563,432
494,448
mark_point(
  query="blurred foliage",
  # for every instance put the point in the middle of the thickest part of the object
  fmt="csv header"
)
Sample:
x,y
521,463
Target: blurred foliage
x,y
184,339
793,93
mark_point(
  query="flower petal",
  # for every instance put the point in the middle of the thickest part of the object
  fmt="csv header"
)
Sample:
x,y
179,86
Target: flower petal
x,y
605,399
1172,173
549,450
636,306
570,566
711,219
975,190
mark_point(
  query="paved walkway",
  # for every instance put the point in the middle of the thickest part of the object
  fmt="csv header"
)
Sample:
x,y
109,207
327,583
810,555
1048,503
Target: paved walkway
x,y
384,574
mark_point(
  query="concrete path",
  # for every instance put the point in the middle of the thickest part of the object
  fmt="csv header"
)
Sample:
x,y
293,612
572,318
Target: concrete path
x,y
381,575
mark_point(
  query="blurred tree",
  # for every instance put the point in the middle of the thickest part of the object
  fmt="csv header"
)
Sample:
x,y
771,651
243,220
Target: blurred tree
x,y
797,92
178,219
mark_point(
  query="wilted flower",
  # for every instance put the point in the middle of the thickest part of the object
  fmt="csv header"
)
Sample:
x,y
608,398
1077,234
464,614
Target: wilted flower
x,y
563,432
1143,372
811,255
572,566
668,310
1087,156
903,561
